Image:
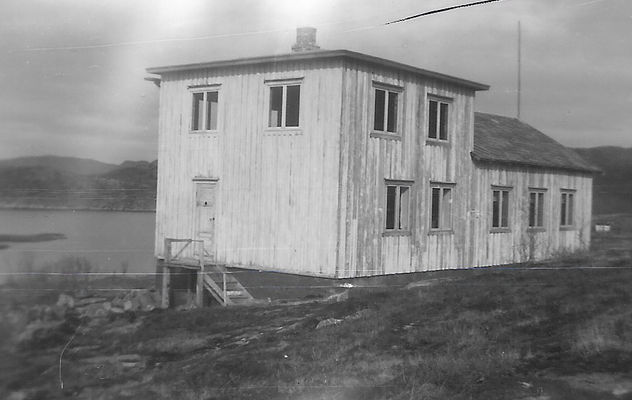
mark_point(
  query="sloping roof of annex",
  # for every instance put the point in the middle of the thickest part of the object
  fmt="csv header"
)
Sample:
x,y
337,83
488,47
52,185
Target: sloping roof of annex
x,y
506,140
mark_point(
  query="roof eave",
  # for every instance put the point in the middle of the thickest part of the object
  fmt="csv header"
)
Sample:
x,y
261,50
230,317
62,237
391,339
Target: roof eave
x,y
318,54
523,164
155,80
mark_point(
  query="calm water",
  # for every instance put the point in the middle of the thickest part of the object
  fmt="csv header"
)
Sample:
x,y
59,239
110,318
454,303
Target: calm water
x,y
111,241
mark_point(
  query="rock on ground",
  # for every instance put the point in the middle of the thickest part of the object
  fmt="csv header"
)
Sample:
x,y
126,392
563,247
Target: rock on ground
x,y
328,322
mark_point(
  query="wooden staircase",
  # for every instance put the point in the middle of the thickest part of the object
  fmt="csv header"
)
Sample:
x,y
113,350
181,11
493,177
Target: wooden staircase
x,y
224,287
220,283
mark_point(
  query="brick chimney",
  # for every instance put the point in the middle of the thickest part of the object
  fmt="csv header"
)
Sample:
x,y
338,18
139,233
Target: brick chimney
x,y
305,39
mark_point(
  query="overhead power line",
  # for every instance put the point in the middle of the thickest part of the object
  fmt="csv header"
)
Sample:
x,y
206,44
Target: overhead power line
x,y
440,10
231,35
152,41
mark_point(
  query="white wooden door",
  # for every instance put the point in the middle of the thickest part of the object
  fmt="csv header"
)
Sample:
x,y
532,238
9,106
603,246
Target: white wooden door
x,y
205,207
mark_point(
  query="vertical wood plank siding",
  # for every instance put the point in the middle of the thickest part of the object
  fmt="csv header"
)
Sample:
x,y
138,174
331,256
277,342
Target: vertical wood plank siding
x,y
312,201
365,162
521,244
277,189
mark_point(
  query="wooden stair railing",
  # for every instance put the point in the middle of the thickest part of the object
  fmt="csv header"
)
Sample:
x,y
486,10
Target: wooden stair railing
x,y
223,286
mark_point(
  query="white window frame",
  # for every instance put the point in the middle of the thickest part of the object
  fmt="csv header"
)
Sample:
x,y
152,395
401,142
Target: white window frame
x,y
401,220
283,83
540,207
389,90
501,203
567,208
445,218
205,89
448,103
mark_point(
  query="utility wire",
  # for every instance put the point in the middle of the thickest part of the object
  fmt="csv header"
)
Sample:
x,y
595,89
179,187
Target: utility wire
x,y
231,35
143,42
476,3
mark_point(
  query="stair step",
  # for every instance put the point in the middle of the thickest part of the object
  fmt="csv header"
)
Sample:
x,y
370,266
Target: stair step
x,y
228,282
217,280
220,278
232,286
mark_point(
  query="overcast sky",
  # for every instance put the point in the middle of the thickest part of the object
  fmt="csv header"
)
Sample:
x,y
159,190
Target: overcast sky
x,y
71,71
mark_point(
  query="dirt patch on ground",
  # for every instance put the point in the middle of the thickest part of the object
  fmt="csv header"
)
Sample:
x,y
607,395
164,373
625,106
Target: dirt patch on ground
x,y
619,385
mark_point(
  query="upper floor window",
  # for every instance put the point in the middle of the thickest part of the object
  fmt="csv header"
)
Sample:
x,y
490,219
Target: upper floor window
x,y
536,208
398,206
500,208
386,109
438,110
567,208
284,107
441,206
205,110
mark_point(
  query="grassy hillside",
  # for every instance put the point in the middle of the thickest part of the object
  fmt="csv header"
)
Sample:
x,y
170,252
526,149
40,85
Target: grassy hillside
x,y
556,330
62,182
613,188
492,334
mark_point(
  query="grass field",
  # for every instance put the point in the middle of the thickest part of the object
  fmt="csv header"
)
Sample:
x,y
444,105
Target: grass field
x,y
555,330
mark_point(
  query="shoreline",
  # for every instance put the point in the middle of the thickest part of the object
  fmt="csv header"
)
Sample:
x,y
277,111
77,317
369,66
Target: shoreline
x,y
31,238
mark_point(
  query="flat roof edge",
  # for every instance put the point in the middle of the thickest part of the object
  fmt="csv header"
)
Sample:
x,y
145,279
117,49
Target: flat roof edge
x,y
319,54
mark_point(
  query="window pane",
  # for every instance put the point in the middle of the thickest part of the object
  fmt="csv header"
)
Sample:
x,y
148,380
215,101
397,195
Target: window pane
x,y
432,119
443,122
504,222
436,196
392,112
378,122
571,200
276,104
293,103
211,110
198,105
404,194
390,207
532,209
445,221
495,209
563,210
540,209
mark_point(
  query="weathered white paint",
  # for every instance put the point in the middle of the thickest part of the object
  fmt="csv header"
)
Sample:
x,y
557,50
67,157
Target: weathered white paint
x,y
366,161
522,243
312,200
276,188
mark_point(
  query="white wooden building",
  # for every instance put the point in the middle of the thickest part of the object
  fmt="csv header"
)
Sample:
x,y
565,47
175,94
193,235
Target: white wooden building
x,y
340,164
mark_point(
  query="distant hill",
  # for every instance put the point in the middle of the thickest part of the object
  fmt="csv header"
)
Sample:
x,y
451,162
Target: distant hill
x,y
613,188
67,182
79,166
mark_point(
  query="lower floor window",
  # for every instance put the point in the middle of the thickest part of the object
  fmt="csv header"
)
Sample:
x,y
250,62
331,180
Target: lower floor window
x,y
536,209
567,208
500,208
397,206
441,207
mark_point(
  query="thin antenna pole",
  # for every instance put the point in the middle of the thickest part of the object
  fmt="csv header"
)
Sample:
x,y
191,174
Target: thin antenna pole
x,y
519,66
